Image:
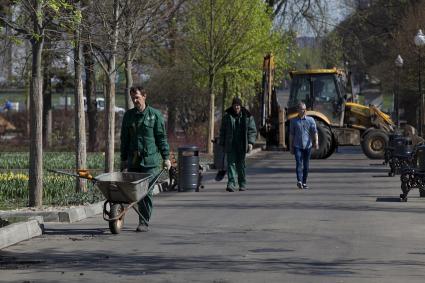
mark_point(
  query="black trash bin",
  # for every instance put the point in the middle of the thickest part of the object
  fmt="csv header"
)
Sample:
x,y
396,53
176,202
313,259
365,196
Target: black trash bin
x,y
419,159
403,146
395,143
188,163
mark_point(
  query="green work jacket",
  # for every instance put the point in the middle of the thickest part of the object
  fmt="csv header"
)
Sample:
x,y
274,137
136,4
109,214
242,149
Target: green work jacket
x,y
143,138
248,131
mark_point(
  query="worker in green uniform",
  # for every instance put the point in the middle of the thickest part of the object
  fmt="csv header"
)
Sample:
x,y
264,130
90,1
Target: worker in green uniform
x,y
143,143
237,136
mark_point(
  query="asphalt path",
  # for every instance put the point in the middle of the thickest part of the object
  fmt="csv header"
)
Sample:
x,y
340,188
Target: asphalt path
x,y
349,227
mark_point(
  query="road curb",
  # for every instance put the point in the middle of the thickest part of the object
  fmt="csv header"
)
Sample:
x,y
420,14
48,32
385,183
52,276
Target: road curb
x,y
21,231
69,215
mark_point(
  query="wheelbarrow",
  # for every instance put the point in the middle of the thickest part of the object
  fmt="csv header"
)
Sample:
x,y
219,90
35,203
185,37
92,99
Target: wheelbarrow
x,y
122,191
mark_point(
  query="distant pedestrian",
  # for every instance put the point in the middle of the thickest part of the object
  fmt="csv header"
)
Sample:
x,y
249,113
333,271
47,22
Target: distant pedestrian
x,y
7,106
303,136
237,136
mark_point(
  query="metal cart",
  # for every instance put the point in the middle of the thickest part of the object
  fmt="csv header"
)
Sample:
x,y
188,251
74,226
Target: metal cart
x,y
122,191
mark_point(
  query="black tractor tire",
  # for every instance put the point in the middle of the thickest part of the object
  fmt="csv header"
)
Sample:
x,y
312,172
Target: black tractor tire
x,y
326,142
374,143
116,225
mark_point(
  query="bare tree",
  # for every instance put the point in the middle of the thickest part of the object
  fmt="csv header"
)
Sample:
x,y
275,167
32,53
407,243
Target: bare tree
x,y
80,120
90,86
41,15
143,23
90,76
138,25
119,29
103,36
298,12
47,99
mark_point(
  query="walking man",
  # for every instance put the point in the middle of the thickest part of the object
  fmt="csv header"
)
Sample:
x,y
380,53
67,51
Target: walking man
x,y
237,136
303,136
143,143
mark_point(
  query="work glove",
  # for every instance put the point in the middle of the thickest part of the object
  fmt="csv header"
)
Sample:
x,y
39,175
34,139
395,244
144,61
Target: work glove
x,y
167,164
249,147
124,166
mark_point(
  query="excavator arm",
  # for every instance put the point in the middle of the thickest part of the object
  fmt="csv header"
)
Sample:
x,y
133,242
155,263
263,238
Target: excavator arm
x,y
272,122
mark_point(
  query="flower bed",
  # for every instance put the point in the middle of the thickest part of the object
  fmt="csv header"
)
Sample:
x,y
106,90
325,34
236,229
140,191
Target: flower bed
x,y
52,160
58,190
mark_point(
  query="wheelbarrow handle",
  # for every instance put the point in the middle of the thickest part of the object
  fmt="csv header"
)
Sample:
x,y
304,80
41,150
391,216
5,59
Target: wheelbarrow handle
x,y
155,179
82,173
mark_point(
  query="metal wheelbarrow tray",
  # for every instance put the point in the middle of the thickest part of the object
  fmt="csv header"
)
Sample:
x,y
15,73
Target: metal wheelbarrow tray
x,y
123,190
123,187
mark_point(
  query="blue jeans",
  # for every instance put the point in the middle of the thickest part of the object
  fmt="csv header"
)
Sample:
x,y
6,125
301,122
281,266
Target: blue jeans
x,y
302,159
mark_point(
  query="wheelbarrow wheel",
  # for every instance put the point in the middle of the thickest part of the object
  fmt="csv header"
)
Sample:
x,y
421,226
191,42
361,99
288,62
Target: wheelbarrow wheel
x,y
116,225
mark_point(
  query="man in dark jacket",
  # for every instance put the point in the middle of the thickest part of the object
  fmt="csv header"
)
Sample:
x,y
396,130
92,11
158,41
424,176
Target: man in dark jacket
x,y
237,136
143,143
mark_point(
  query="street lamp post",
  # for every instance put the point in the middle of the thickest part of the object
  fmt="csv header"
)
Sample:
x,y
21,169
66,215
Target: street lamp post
x,y
399,64
420,42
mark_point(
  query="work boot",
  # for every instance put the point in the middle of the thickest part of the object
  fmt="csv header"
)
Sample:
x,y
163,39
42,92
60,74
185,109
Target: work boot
x,y
299,185
220,175
229,189
142,228
305,187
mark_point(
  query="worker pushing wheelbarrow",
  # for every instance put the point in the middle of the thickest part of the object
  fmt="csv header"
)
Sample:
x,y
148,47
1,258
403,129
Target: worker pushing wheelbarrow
x,y
122,190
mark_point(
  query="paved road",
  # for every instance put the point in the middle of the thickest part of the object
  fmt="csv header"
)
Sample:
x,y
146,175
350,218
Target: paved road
x,y
349,227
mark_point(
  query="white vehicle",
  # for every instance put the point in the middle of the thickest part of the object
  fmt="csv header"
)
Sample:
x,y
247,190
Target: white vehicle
x,y
100,105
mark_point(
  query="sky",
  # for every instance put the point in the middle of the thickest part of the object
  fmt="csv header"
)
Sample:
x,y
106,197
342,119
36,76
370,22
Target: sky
x,y
336,11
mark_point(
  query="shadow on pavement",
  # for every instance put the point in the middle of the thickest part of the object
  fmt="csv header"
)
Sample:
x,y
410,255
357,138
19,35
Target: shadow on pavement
x,y
134,264
322,170
82,232
388,199
378,164
295,206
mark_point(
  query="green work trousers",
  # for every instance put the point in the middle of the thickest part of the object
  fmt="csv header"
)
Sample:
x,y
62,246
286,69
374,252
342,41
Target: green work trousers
x,y
236,169
145,204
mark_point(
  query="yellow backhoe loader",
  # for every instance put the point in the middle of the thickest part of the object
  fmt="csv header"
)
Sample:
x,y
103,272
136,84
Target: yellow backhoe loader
x,y
339,121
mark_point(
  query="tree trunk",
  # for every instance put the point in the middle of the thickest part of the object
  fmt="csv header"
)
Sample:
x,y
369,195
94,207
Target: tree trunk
x,y
93,144
36,113
223,101
110,96
9,51
211,116
171,119
211,78
110,119
128,81
80,119
27,104
171,103
47,107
